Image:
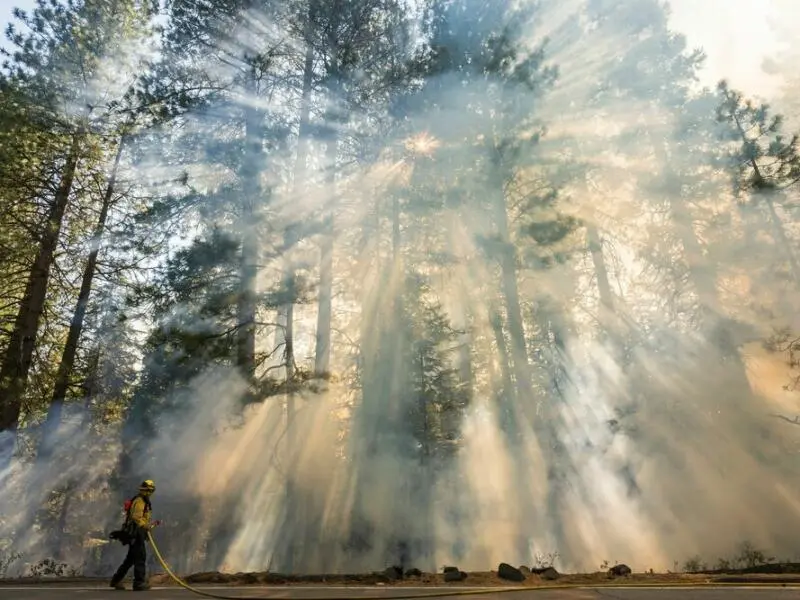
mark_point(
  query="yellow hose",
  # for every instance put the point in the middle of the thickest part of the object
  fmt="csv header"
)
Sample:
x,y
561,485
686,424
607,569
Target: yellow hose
x,y
456,592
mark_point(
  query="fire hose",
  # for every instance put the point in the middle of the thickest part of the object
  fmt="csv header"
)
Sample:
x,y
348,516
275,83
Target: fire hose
x,y
470,592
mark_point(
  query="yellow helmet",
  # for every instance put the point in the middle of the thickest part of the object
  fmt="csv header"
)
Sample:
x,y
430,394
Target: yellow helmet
x,y
148,485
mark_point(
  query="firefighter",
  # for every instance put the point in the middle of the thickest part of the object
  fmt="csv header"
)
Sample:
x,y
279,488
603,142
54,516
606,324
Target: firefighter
x,y
137,524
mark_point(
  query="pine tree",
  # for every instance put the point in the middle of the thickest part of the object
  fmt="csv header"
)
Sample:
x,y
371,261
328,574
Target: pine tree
x,y
765,161
56,64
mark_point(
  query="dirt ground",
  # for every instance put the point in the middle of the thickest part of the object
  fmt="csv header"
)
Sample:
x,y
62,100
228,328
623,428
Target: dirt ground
x,y
777,572
787,573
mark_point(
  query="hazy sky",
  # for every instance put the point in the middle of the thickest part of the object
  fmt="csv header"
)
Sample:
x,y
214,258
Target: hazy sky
x,y
736,37
734,33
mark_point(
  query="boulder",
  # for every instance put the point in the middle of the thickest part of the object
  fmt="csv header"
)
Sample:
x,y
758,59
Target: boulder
x,y
413,573
620,571
525,571
453,576
549,574
509,573
450,570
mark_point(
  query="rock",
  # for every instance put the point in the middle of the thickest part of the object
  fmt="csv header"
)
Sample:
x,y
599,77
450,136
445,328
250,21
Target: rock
x,y
549,574
525,570
452,576
450,570
393,573
413,573
509,573
620,571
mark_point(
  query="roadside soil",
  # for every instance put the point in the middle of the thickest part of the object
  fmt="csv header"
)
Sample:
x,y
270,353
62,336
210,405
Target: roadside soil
x,y
788,573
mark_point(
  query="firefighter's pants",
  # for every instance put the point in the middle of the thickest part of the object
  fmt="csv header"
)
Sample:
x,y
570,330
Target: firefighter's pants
x,y
136,558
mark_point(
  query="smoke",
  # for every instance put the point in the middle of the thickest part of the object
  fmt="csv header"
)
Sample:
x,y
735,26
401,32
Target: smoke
x,y
632,422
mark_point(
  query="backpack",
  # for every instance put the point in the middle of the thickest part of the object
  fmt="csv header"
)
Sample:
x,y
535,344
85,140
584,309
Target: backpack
x,y
129,531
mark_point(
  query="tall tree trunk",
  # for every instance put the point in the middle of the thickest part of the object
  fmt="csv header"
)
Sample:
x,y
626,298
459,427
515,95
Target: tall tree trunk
x,y
60,525
290,239
559,467
91,387
18,358
293,518
322,350
67,363
610,320
517,352
496,321
462,316
523,384
300,167
288,357
510,286
248,269
600,269
296,505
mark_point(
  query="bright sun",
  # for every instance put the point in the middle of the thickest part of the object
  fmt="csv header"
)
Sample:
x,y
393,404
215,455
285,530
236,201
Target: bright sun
x,y
422,144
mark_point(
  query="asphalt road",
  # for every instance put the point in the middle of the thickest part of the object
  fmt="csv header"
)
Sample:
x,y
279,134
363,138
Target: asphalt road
x,y
30,592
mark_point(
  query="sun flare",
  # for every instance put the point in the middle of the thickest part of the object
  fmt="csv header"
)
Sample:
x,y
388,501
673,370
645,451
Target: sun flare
x,y
422,144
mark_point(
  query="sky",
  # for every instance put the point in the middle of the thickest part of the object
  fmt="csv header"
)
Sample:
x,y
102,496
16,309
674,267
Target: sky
x,y
736,37
720,27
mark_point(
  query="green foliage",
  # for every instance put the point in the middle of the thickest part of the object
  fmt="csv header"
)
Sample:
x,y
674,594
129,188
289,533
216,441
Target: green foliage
x,y
499,75
28,157
414,357
195,304
437,396
62,56
762,156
